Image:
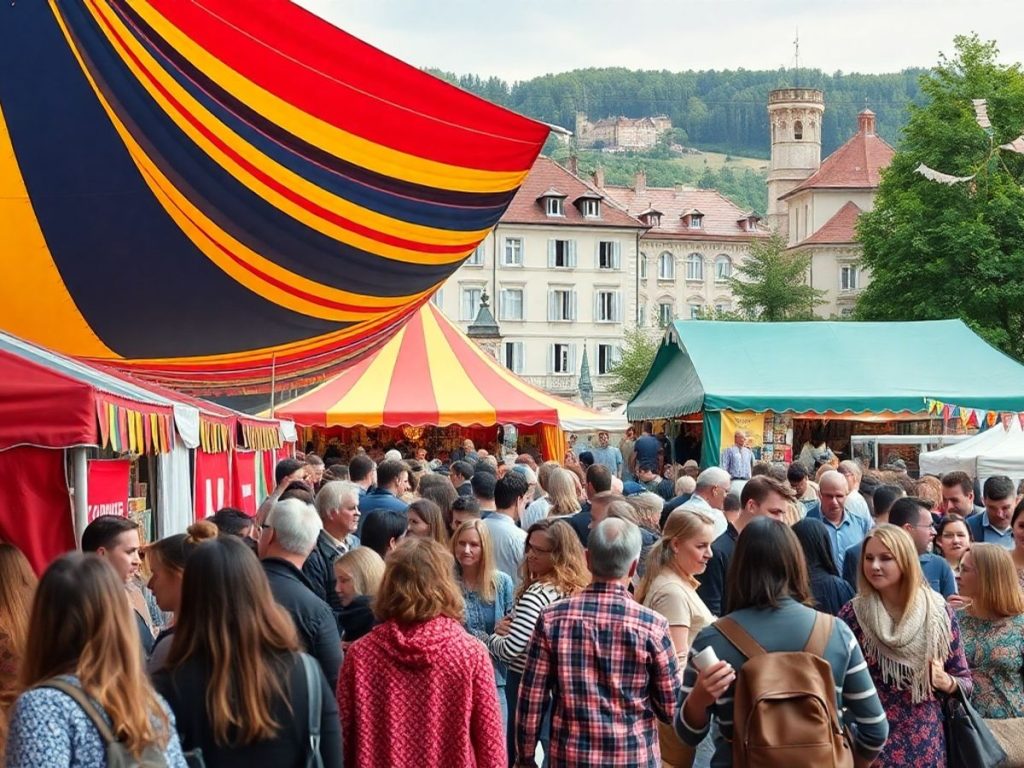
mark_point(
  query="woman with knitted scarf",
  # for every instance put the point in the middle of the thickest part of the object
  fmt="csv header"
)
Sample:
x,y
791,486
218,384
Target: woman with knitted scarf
x,y
911,641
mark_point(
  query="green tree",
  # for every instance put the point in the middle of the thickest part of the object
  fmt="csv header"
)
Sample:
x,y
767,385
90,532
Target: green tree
x,y
954,250
638,351
771,284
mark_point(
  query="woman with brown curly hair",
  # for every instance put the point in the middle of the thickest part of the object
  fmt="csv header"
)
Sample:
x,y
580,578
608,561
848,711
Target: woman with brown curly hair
x,y
234,676
82,639
553,568
17,586
418,690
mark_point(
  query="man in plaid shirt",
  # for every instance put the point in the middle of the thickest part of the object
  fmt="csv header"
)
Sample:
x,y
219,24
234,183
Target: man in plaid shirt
x,y
607,662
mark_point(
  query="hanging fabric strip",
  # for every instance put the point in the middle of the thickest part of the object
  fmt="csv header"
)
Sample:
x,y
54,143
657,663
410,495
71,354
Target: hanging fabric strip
x,y
942,178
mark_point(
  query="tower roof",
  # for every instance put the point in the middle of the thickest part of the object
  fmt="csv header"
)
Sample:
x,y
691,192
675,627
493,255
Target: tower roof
x,y
855,165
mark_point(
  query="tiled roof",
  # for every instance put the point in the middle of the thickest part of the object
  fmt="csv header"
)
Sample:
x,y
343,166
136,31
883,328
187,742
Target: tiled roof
x,y
722,218
855,165
839,230
527,206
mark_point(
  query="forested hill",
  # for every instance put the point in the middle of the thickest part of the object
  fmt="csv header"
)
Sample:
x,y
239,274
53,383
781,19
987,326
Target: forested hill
x,y
722,111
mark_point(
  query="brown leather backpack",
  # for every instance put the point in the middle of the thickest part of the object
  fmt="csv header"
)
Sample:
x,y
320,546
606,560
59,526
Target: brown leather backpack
x,y
784,710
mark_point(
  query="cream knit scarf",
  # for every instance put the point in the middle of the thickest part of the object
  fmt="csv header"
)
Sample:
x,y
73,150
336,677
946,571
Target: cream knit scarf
x,y
904,649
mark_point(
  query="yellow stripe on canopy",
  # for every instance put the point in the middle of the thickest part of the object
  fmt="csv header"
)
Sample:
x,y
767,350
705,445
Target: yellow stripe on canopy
x,y
364,403
458,399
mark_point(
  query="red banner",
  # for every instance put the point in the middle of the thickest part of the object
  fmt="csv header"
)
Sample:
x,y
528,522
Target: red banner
x,y
243,487
213,482
108,487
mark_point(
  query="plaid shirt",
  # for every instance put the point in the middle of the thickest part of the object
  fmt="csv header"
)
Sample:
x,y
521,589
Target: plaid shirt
x,y
609,664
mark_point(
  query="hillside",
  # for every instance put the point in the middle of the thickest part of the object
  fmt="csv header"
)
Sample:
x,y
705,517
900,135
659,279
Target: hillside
x,y
723,111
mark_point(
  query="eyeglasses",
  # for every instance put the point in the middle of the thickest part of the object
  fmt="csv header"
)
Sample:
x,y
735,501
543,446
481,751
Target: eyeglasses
x,y
929,526
538,550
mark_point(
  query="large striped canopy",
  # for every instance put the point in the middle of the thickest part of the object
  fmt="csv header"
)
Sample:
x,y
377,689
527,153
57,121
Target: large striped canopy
x,y
213,193
431,374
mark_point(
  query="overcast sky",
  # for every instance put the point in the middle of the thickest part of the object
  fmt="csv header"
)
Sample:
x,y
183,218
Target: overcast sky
x,y
520,39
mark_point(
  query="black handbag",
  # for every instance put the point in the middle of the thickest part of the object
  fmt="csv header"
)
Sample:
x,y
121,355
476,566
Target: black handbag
x,y
969,742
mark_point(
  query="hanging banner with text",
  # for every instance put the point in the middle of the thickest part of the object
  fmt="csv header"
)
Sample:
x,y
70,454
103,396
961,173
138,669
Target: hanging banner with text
x,y
213,482
243,491
107,487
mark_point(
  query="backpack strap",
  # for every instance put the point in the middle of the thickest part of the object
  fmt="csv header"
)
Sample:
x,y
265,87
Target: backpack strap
x,y
311,667
821,632
87,705
739,637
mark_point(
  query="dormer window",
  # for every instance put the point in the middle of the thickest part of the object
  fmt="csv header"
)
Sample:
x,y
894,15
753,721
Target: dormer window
x,y
554,206
591,208
651,218
749,222
696,221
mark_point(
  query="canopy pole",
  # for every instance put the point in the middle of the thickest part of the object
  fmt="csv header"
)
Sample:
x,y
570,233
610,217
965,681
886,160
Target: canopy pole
x,y
80,473
273,381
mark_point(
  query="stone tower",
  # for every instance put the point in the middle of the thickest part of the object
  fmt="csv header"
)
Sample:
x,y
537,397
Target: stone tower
x,y
794,115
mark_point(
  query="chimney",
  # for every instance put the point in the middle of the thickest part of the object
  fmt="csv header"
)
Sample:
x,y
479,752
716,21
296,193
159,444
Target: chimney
x,y
599,177
866,122
574,165
640,182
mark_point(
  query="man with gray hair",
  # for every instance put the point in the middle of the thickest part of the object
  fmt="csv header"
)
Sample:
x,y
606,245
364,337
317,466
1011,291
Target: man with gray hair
x,y
606,662
844,528
855,502
708,497
289,535
337,504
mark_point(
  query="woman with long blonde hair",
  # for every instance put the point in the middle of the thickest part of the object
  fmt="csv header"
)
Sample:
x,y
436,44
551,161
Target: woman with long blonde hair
x,y
669,587
17,586
234,676
82,639
553,568
486,590
561,497
911,640
992,626
358,574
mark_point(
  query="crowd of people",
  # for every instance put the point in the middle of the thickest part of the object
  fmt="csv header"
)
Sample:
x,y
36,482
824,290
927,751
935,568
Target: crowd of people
x,y
614,608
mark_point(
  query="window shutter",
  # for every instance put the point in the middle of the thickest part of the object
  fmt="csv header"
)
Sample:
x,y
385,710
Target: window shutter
x,y
617,307
519,356
572,358
616,251
551,253
552,305
597,255
573,306
572,253
551,358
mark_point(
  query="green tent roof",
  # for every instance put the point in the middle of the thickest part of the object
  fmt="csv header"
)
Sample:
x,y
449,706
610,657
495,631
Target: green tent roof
x,y
825,366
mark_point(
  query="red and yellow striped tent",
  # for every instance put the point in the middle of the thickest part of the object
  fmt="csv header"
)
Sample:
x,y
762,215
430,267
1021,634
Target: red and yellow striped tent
x,y
216,194
431,374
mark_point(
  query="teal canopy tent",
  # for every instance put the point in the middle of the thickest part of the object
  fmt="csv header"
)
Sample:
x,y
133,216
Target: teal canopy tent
x,y
827,368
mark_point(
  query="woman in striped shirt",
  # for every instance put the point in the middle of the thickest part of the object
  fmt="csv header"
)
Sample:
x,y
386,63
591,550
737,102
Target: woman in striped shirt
x,y
553,567
767,596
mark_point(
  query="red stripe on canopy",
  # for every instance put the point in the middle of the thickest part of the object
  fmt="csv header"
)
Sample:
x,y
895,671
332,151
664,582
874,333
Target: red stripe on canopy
x,y
411,396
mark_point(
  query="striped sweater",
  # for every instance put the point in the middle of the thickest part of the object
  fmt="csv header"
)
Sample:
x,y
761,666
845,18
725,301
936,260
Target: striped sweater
x,y
787,628
511,648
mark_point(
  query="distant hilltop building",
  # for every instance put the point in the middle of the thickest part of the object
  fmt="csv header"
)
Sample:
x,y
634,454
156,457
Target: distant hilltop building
x,y
815,204
621,132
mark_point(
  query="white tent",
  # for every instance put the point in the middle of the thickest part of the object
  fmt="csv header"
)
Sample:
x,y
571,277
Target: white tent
x,y
996,451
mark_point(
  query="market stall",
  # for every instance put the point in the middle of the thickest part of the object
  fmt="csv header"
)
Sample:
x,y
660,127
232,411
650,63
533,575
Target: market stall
x,y
788,384
431,382
999,450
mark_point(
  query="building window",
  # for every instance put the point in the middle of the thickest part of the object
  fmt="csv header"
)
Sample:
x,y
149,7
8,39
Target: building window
x,y
696,309
511,304
641,314
476,258
554,206
470,304
607,307
643,266
561,305
513,255
591,208
608,254
848,278
652,219
846,312
562,253
694,267
723,307
512,356
562,358
696,221
666,266
608,356
798,130
723,268
438,298
666,313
